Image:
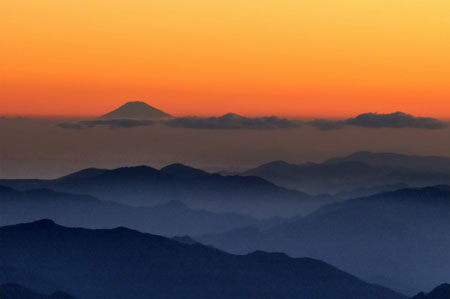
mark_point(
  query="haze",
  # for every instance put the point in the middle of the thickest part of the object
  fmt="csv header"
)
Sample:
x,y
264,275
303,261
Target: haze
x,y
38,148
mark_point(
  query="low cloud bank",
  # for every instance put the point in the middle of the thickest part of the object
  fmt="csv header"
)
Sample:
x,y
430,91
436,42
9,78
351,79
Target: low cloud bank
x,y
234,122
395,120
112,123
327,124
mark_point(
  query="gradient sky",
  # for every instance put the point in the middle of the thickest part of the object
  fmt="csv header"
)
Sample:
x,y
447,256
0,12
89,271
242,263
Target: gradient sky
x,y
312,58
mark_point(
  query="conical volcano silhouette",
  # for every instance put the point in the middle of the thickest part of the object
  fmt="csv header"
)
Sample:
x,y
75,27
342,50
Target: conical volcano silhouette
x,y
135,110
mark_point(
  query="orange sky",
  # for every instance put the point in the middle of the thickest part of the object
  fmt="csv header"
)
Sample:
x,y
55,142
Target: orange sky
x,y
314,58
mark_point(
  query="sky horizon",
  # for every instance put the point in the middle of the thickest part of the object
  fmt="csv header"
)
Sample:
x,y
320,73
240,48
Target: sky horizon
x,y
291,115
321,58
65,63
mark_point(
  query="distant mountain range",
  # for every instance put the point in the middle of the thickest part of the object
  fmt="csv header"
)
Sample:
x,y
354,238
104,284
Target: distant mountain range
x,y
422,163
171,218
399,239
146,186
388,233
135,110
122,263
15,291
359,174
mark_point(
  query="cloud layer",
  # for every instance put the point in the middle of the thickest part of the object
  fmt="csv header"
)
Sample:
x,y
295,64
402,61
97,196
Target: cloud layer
x,y
112,123
396,120
234,122
327,124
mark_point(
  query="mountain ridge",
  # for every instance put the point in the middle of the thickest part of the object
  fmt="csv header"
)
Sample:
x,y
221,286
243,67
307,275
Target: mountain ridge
x,y
440,292
16,291
169,218
144,186
360,173
148,266
398,239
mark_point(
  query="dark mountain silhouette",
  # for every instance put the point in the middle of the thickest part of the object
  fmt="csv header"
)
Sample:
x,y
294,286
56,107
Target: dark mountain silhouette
x,y
185,240
135,110
440,292
144,186
399,238
171,218
122,263
84,174
182,171
360,174
15,291
26,278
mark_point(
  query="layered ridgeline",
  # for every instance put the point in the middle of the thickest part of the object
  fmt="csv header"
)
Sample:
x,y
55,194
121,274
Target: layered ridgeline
x,y
122,263
171,218
399,239
440,292
415,162
144,186
359,174
15,291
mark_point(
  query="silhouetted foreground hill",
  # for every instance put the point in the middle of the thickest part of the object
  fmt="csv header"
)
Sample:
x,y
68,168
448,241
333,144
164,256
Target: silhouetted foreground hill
x,y
144,185
440,292
15,291
122,263
359,174
399,239
171,218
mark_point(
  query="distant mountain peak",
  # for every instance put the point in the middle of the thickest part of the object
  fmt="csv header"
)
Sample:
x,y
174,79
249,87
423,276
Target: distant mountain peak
x,y
135,110
85,173
277,163
185,240
133,171
362,153
184,171
43,223
232,115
